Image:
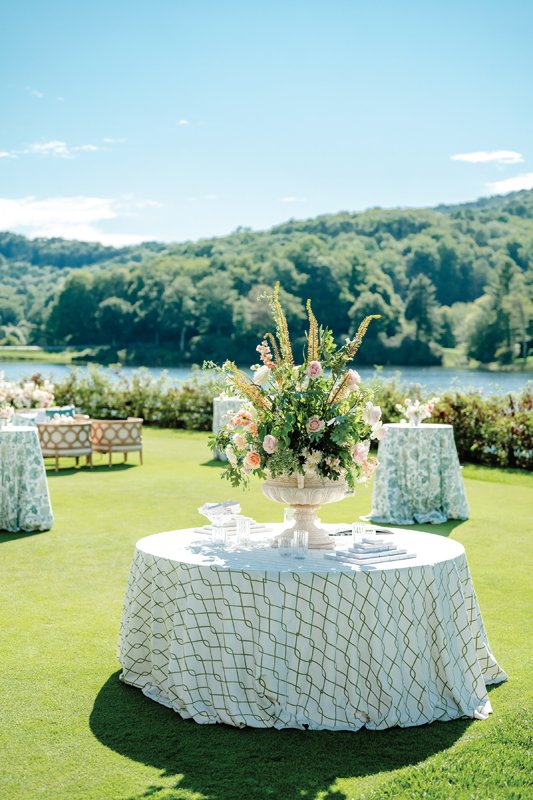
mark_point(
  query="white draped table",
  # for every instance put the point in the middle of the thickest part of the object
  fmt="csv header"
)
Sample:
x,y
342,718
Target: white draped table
x,y
418,479
24,498
247,637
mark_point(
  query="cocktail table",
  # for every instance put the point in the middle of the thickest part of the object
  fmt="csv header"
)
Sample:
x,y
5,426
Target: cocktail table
x,y
247,637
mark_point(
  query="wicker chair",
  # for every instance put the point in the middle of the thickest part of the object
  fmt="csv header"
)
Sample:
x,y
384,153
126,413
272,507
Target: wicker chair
x,y
71,440
118,436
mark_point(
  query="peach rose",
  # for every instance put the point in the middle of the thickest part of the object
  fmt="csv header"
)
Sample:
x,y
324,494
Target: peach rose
x,y
239,441
252,460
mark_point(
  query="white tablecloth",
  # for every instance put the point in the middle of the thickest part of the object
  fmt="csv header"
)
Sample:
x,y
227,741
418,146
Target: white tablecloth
x,y
24,498
418,479
246,637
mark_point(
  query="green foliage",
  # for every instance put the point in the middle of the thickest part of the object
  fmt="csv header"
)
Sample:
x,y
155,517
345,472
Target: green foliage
x,y
200,300
495,430
188,405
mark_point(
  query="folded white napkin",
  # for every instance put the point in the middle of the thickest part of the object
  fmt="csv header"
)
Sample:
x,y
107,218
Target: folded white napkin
x,y
353,558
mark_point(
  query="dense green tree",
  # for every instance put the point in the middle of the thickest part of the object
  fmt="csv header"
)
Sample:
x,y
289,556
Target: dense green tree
x,y
115,318
198,299
72,317
421,307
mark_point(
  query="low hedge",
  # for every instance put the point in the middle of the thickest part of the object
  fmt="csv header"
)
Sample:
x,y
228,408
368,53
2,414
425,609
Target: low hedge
x,y
495,430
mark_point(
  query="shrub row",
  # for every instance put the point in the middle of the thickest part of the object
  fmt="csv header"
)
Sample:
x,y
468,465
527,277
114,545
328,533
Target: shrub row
x,y
495,430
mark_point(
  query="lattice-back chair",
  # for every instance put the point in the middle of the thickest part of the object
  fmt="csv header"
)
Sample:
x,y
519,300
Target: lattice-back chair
x,y
118,436
70,440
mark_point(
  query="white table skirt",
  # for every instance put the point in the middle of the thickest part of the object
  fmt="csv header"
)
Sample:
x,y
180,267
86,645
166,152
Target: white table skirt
x,y
418,479
249,638
24,498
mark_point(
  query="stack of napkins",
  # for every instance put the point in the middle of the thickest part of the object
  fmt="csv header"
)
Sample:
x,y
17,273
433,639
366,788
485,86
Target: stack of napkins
x,y
370,550
231,527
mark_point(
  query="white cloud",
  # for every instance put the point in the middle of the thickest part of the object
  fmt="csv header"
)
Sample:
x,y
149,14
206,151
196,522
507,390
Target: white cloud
x,y
292,199
210,197
34,92
76,217
113,140
87,148
490,157
56,148
524,181
184,122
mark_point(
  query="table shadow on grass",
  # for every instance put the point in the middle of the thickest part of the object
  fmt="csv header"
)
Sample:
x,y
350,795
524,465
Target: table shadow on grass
x,y
6,536
225,763
98,469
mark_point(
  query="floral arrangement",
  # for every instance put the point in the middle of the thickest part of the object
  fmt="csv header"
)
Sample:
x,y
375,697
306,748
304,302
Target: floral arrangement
x,y
312,418
415,411
35,393
6,413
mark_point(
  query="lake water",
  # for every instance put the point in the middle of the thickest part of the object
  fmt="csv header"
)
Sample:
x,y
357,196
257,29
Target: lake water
x,y
431,379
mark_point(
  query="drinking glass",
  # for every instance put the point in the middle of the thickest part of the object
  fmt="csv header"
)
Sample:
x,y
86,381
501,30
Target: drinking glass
x,y
300,543
218,534
285,545
358,531
243,530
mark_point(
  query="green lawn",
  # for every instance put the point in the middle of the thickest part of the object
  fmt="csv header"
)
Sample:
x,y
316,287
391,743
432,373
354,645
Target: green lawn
x,y
70,730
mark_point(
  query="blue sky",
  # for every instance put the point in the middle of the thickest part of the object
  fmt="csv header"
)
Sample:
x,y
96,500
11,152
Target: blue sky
x,y
123,120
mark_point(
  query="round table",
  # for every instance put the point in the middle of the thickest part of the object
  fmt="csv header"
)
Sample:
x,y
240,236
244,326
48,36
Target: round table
x,y
247,637
418,479
24,498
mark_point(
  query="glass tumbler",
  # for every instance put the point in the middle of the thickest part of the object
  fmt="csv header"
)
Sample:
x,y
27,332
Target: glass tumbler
x,y
358,531
218,534
243,526
300,544
285,545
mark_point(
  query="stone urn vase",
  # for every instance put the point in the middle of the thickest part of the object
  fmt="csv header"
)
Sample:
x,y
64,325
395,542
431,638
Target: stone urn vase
x,y
305,494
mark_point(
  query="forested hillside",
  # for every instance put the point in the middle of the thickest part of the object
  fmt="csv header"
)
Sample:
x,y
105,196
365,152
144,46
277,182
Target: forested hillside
x,y
454,275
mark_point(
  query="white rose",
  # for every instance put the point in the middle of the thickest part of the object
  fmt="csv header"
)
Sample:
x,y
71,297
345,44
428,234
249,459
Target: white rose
x,y
378,431
371,414
261,375
232,458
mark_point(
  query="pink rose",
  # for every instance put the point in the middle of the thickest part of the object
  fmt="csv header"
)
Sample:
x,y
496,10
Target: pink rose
x,y
315,424
239,441
360,452
353,379
252,460
371,414
270,444
314,370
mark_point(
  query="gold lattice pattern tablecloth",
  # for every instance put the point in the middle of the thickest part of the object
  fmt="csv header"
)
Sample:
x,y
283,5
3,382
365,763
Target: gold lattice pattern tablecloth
x,y
247,638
